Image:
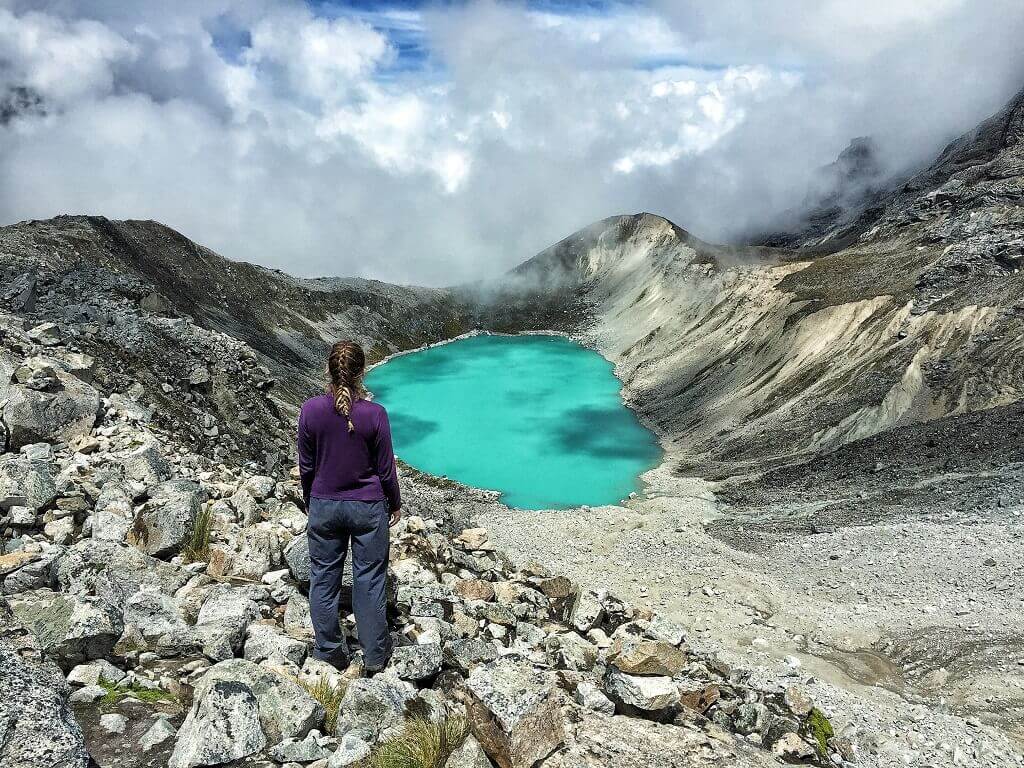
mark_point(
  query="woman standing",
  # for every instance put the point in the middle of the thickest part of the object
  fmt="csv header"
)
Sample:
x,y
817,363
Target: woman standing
x,y
349,483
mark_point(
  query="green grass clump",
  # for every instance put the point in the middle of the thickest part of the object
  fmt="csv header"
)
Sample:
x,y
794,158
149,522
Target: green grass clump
x,y
421,744
197,548
116,693
819,729
329,696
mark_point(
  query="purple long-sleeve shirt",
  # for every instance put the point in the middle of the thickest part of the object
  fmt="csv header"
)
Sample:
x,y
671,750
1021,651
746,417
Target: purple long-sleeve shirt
x,y
347,466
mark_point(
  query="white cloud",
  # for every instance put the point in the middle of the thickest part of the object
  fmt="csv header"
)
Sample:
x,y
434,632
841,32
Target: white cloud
x,y
61,60
301,141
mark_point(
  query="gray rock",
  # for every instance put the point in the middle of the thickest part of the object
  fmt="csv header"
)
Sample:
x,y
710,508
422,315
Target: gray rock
x,y
153,302
665,630
247,510
147,465
264,641
115,570
514,712
88,694
163,524
69,628
26,483
649,693
47,334
285,709
113,722
199,378
50,417
159,733
300,750
752,718
296,616
153,614
130,409
261,487
20,294
85,674
587,612
352,749
37,573
465,653
416,662
60,531
222,725
37,729
573,652
93,672
254,551
791,748
372,708
469,755
296,554
227,602
23,517
113,515
590,696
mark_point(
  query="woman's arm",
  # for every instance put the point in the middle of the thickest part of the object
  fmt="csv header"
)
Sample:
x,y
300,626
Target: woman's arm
x,y
307,458
384,455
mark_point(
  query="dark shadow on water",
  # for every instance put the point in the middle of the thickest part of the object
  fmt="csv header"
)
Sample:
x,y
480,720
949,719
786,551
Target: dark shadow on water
x,y
607,432
411,430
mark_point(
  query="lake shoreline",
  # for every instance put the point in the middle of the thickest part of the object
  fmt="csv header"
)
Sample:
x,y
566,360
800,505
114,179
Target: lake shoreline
x,y
639,482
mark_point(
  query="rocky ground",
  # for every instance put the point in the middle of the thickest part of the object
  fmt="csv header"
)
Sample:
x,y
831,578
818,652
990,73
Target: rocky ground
x,y
154,613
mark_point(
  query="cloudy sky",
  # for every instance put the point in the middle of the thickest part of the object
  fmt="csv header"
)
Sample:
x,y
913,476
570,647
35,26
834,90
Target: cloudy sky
x,y
432,142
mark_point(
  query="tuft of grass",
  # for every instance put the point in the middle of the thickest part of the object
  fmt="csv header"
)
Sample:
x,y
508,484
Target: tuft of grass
x,y
818,727
197,548
329,696
116,693
421,744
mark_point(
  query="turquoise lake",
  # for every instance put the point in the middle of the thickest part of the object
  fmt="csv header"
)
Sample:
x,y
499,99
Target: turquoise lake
x,y
538,418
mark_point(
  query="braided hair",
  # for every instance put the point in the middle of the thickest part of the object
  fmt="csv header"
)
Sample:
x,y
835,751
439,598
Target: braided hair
x,y
345,367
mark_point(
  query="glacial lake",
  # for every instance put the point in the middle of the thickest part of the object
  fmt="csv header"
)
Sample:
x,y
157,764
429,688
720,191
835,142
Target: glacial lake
x,y
538,418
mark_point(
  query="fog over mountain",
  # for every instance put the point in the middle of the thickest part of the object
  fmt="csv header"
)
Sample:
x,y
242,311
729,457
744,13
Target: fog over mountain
x,y
434,143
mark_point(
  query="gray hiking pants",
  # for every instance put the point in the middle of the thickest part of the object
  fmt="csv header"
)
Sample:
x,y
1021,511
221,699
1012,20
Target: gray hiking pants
x,y
331,525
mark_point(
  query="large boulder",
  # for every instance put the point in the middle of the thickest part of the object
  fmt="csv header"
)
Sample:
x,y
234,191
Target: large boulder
x,y
57,416
373,708
114,570
514,712
26,483
37,728
254,551
163,524
286,710
69,628
154,615
223,725
630,742
24,571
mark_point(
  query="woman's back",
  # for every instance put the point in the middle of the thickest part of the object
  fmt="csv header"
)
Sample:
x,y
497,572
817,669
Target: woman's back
x,y
346,465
